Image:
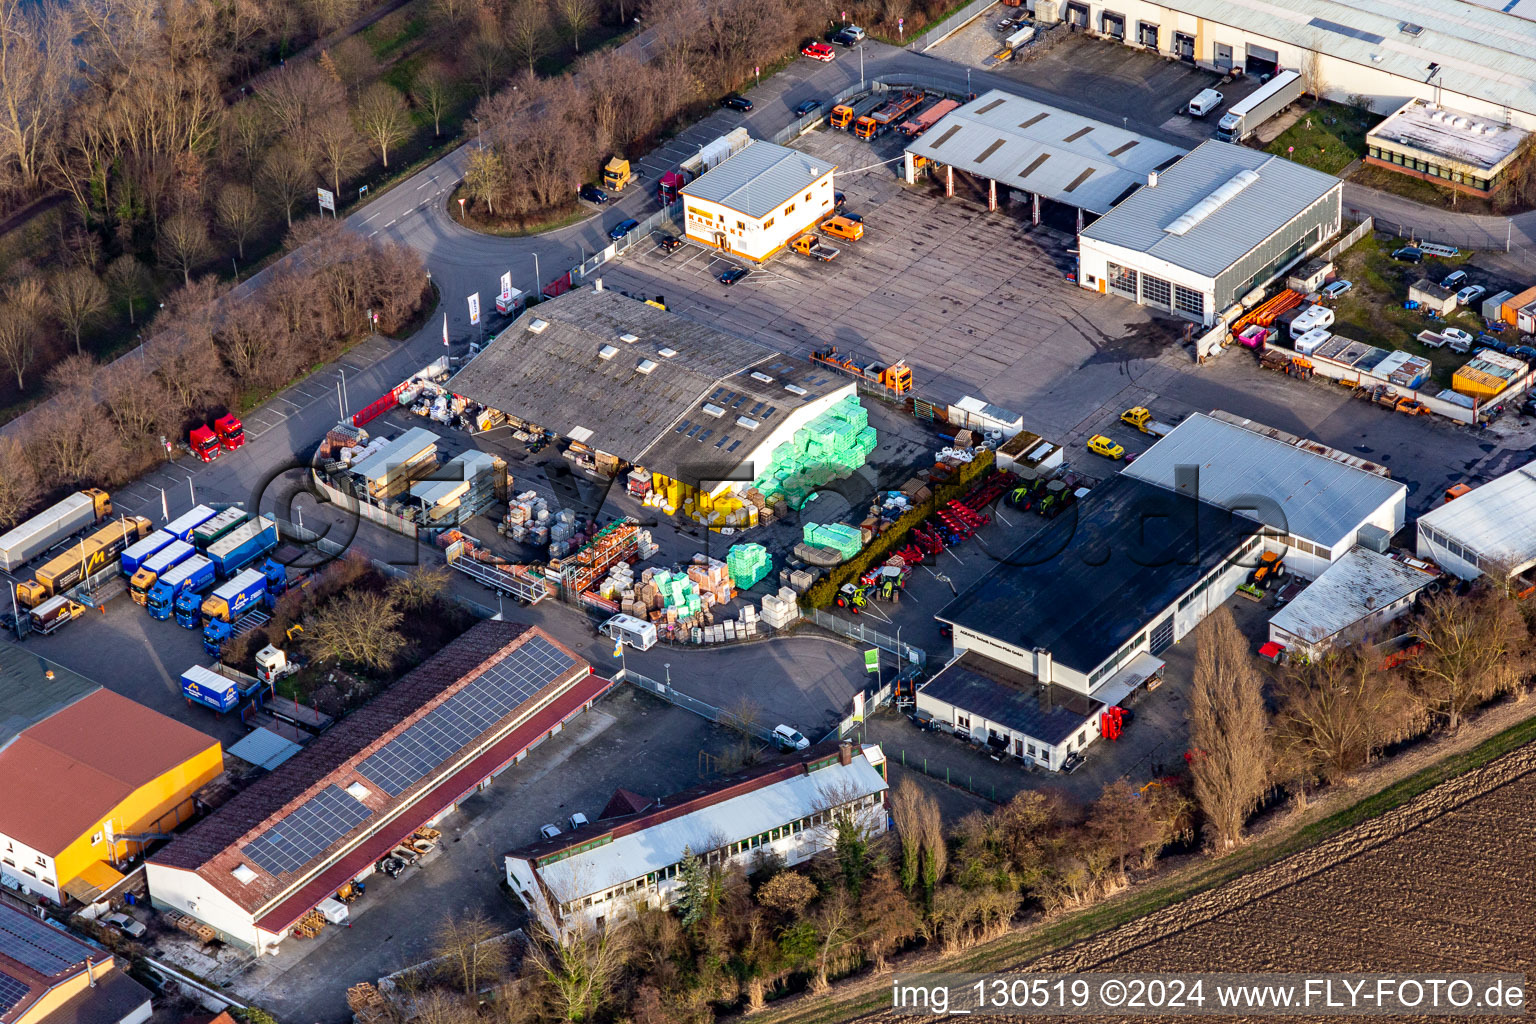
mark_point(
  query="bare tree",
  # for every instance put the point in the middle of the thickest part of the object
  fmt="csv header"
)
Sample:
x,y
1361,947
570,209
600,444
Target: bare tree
x,y
473,952
78,298
527,30
183,242
486,58
485,178
383,118
578,974
788,892
36,61
1337,710
340,149
1122,823
130,279
1312,76
421,588
906,806
295,95
286,176
238,212
1228,729
356,628
433,89
1475,647
578,16
326,16
136,401
452,12
18,482
22,307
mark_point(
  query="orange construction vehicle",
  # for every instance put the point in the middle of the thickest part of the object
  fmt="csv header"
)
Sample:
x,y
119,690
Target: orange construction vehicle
x,y
897,377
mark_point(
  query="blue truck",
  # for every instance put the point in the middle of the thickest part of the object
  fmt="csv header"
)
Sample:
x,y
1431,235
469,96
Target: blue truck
x,y
183,525
194,576
204,686
242,546
137,553
167,558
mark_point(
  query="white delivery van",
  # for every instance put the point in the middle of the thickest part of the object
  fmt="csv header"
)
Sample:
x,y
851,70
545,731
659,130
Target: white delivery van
x,y
627,629
1205,101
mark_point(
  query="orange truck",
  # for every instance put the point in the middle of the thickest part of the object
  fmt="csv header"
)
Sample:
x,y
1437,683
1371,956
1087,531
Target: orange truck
x,y
844,115
889,113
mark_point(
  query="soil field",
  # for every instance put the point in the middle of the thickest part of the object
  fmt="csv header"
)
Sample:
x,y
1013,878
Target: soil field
x,y
1446,882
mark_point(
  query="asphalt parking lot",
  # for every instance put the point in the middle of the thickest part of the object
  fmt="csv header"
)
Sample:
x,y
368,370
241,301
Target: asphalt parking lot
x,y
393,924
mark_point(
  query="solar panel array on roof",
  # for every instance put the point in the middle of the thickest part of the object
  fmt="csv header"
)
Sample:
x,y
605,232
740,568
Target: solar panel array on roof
x,y
303,835
448,728
11,992
37,945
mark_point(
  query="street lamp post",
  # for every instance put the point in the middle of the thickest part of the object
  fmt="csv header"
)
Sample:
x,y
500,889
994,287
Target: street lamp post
x,y
668,666
537,285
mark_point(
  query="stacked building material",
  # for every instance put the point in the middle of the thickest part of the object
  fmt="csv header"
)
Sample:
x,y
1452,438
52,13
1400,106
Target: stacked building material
x,y
747,564
830,447
645,546
342,435
780,610
713,579
528,519
845,540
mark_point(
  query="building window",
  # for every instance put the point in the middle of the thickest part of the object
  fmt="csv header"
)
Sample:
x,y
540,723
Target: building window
x,y
807,197
1187,300
963,721
42,861
768,223
1030,748
97,838
740,226
789,209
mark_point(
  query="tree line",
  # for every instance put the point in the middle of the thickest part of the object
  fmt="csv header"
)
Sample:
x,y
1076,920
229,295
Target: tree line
x,y
204,352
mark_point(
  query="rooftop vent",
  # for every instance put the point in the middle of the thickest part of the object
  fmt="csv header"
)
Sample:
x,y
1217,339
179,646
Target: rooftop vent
x,y
607,352
244,875
796,389
628,339
1211,203
748,422
358,790
645,366
1408,28
537,326
759,375
714,410
1375,58
665,352
1151,179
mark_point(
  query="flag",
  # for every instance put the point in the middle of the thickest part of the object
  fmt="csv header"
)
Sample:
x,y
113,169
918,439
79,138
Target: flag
x,y
618,648
474,309
506,284
445,330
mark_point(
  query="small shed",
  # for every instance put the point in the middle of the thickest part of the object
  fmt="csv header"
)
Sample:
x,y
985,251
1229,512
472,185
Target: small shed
x,y
1487,374
1309,277
1404,369
1431,296
1493,305
1510,311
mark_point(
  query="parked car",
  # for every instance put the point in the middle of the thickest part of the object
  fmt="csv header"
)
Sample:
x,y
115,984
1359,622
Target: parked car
x,y
1101,445
578,820
733,275
1454,280
1071,763
549,831
1470,294
838,199
735,101
125,924
849,34
1458,339
1408,254
592,194
807,108
789,739
669,243
623,228
818,51
1336,289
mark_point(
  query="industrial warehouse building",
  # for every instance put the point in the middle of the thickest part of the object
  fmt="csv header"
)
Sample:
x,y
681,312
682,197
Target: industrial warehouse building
x,y
1488,529
1041,151
700,409
1478,56
264,860
1446,147
89,786
1201,235
47,976
756,201
1355,598
783,811
1316,503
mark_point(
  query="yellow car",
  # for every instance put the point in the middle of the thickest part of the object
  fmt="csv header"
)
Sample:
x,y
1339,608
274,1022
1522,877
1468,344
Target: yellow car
x,y
1101,445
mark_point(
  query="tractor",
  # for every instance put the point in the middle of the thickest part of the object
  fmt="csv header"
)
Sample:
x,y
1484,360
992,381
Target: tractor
x,y
852,597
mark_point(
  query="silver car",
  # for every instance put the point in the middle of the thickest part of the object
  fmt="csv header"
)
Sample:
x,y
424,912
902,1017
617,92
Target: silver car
x,y
125,924
1470,294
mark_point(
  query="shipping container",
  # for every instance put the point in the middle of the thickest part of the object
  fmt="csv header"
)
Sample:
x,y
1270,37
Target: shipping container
x,y
242,546
31,538
207,687
212,530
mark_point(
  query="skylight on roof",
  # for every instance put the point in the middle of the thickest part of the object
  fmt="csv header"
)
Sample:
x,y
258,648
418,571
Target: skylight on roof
x,y
713,410
537,326
628,339
759,375
795,389
748,422
665,352
1198,213
243,874
358,790
607,352
645,366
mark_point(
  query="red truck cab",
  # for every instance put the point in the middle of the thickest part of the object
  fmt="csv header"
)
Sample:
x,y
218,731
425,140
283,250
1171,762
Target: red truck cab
x,y
231,432
205,444
668,190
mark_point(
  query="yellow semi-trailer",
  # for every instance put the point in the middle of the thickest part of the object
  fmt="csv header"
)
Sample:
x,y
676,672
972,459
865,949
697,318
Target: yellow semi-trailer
x,y
94,552
29,539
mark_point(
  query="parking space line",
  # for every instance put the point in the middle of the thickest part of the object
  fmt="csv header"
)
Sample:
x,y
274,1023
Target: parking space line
x,y
950,552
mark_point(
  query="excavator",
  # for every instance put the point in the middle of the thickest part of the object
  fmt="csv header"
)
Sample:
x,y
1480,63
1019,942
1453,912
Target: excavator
x,y
897,377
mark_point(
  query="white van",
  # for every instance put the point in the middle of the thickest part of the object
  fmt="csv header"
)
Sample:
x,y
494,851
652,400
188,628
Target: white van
x,y
1205,101
789,739
627,629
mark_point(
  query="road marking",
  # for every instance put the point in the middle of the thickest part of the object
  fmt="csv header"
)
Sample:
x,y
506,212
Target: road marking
x,y
391,223
956,557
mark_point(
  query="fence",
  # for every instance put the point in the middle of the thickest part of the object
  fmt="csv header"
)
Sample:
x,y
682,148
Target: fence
x,y
863,634
661,220
950,777
698,707
1490,234
936,34
1342,245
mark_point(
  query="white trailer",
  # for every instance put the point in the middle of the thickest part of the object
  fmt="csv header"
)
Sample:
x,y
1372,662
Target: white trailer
x,y
627,629
42,531
1259,106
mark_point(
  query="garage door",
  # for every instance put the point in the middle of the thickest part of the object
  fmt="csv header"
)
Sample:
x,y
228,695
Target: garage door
x,y
1262,61
1114,25
1077,15
1161,637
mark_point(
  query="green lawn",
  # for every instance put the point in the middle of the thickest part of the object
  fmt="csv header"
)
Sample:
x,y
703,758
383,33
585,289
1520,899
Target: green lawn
x,y
1329,137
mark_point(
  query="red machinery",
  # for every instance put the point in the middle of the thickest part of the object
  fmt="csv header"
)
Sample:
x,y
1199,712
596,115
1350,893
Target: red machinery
x,y
231,432
1112,723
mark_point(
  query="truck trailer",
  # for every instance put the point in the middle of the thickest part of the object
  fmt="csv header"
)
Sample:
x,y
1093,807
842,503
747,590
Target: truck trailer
x,y
202,685
211,530
138,553
182,526
31,538
194,575
890,112
927,119
161,562
230,600
669,189
96,551
242,546
1259,106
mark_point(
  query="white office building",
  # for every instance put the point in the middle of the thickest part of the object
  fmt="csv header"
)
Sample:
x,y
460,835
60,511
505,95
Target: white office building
x,y
754,203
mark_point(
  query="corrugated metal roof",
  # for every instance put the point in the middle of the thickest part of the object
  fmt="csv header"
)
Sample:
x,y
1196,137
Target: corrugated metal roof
x,y
1357,585
1038,148
1494,521
760,178
1488,54
1314,497
635,854
1283,190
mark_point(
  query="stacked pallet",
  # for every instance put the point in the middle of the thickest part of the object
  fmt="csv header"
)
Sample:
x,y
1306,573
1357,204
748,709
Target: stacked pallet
x,y
747,564
367,1004
780,610
309,925
528,519
713,580
845,540
831,446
